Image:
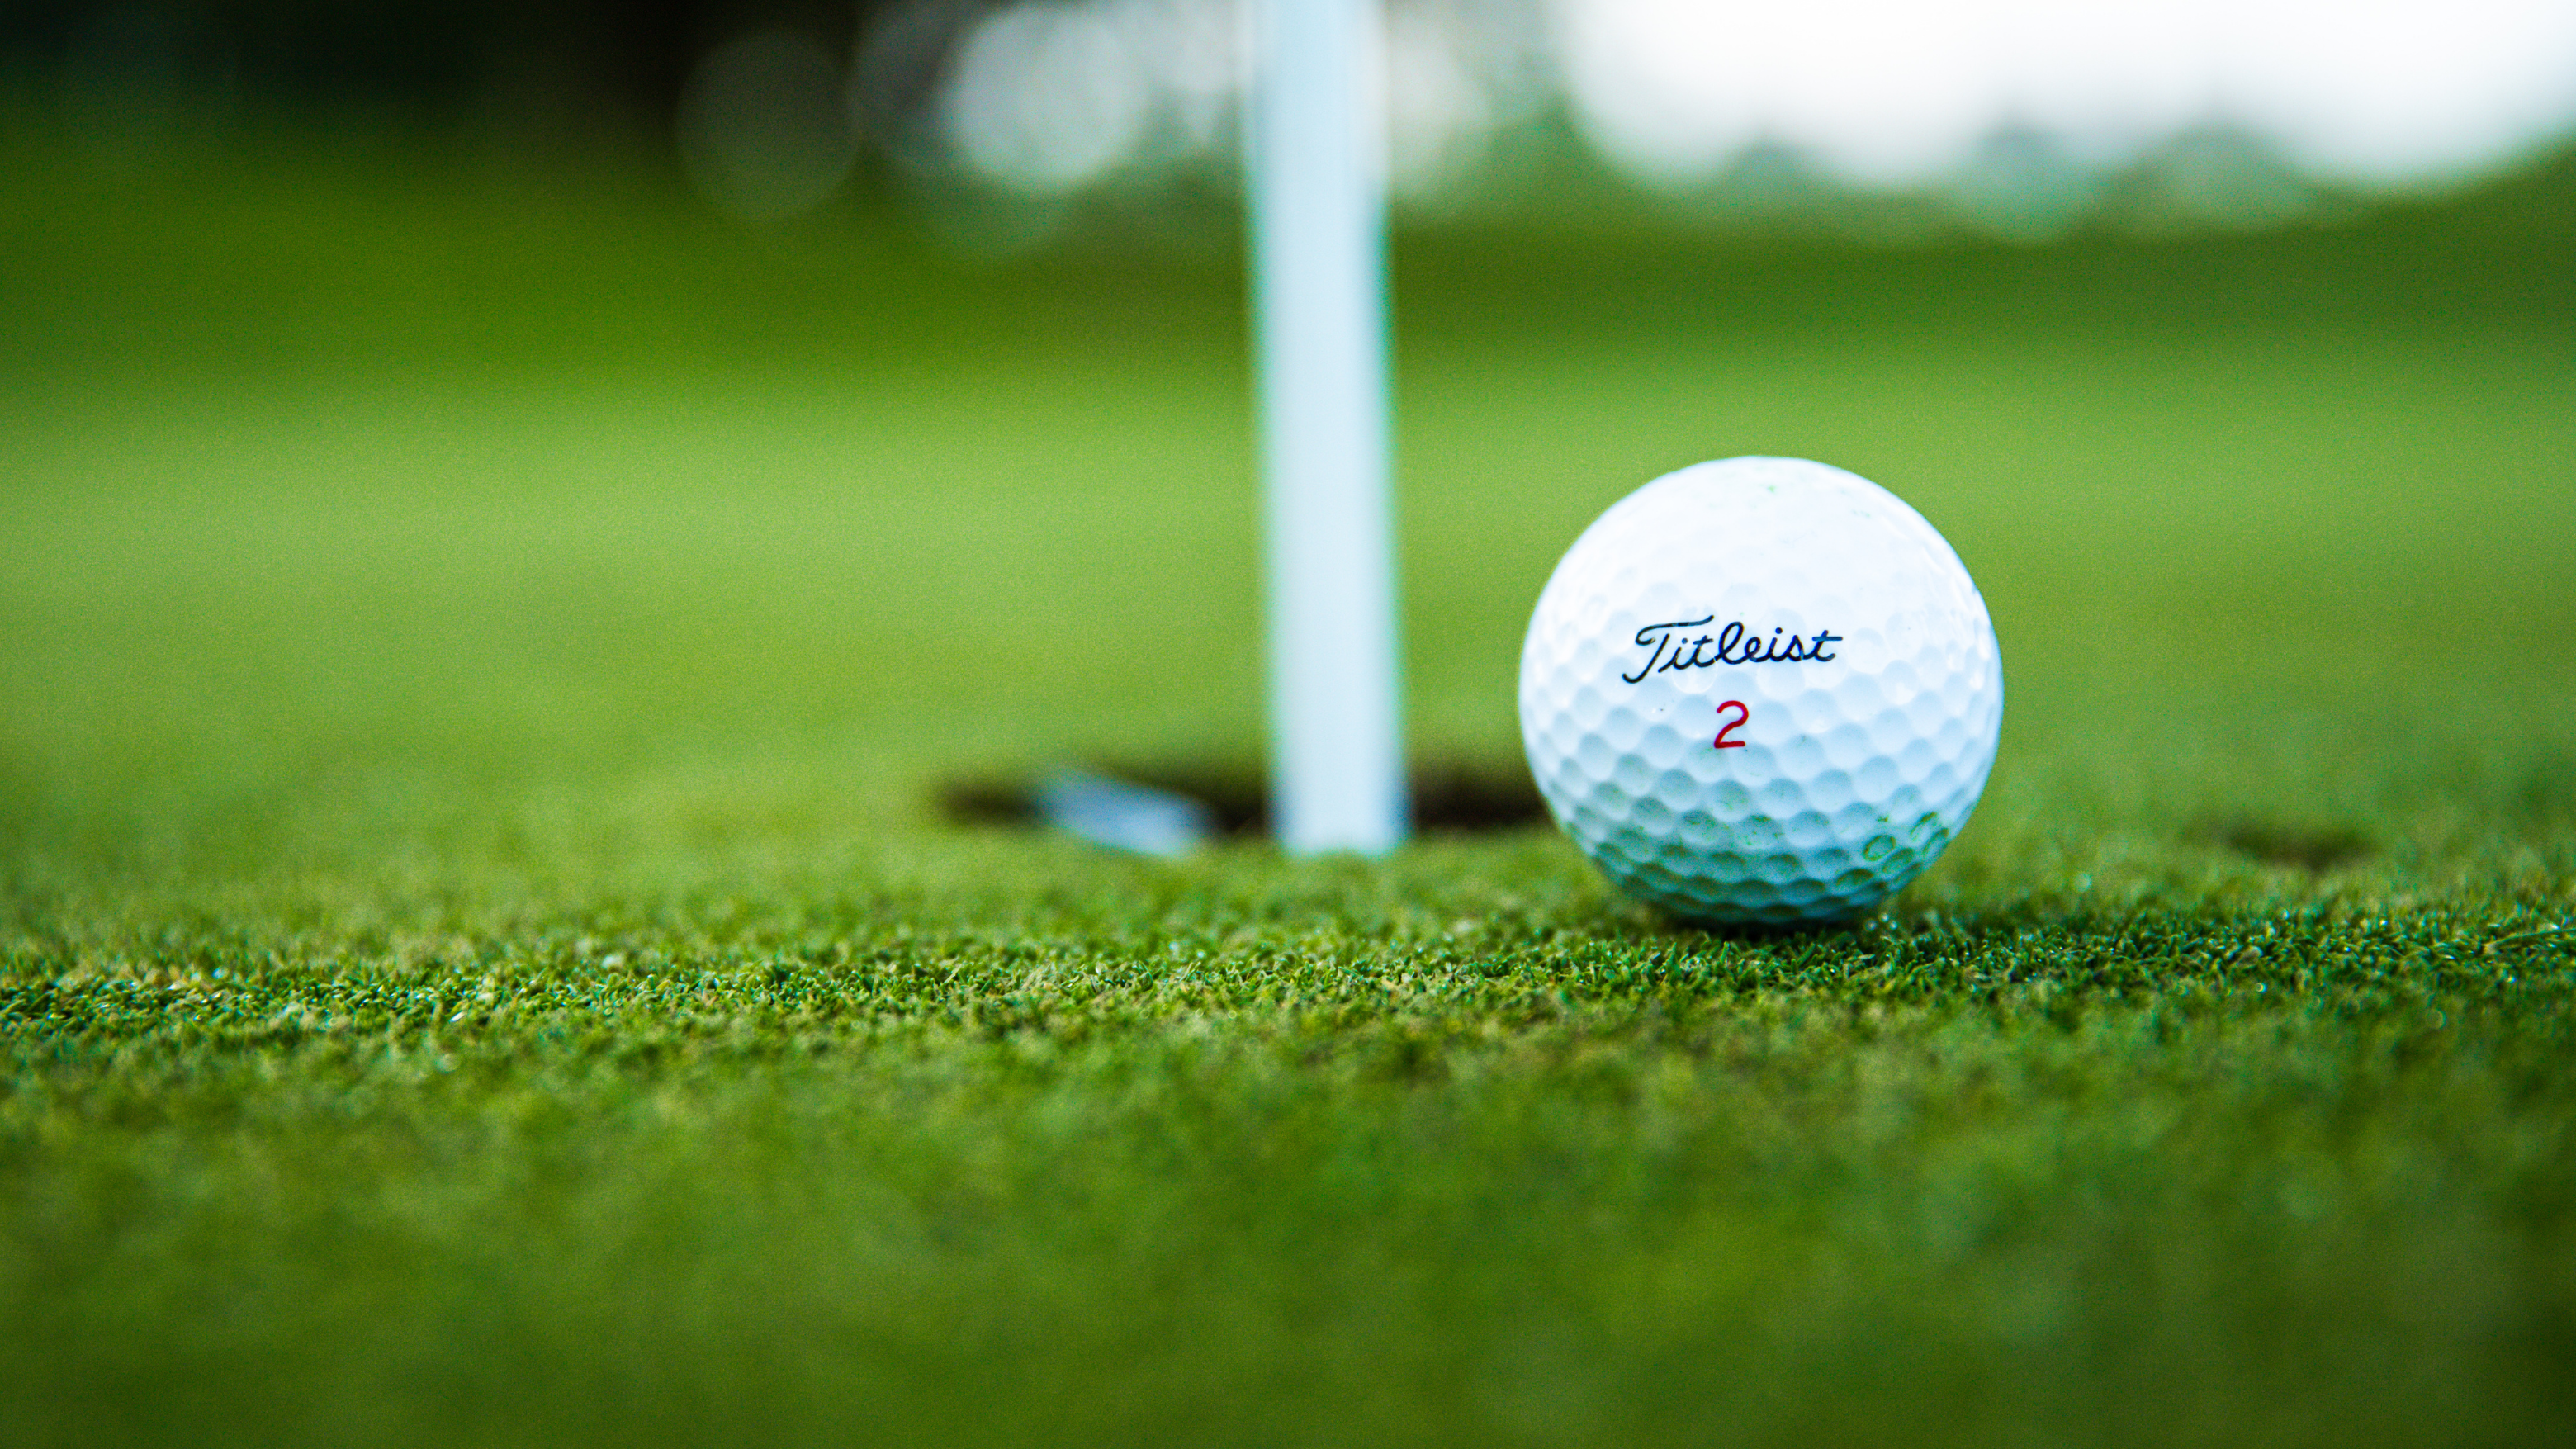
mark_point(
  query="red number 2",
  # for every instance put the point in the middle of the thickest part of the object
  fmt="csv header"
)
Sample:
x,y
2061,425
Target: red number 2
x,y
1741,715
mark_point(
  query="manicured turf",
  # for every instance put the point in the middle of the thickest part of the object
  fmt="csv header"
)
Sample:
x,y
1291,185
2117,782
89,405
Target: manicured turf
x,y
481,959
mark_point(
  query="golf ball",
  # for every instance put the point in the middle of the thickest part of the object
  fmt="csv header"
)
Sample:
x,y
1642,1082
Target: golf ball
x,y
1761,691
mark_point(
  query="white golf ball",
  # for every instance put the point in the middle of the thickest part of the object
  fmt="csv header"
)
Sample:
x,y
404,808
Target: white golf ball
x,y
1761,691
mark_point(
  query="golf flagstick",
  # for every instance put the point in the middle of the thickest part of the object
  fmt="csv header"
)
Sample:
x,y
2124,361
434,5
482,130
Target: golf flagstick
x,y
1314,133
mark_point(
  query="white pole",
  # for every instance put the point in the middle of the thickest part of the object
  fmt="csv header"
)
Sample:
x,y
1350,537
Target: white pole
x,y
1318,208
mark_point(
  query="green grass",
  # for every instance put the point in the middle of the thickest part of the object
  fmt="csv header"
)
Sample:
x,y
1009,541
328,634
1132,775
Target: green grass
x,y
480,961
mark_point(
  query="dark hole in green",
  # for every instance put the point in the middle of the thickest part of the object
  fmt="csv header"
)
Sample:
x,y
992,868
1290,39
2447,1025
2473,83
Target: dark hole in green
x,y
1448,795
2306,846
2548,789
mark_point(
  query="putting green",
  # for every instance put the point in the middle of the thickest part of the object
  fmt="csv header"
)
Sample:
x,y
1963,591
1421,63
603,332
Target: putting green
x,y
481,957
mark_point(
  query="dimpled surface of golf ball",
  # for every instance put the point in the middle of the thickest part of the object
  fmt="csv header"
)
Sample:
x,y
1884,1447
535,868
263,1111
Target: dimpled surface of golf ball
x,y
1761,691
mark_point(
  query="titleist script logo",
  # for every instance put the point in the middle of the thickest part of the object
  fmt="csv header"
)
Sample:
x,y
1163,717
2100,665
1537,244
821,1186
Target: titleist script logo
x,y
1672,646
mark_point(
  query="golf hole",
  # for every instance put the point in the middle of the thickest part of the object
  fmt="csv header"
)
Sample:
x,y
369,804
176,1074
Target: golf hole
x,y
1449,796
2312,848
